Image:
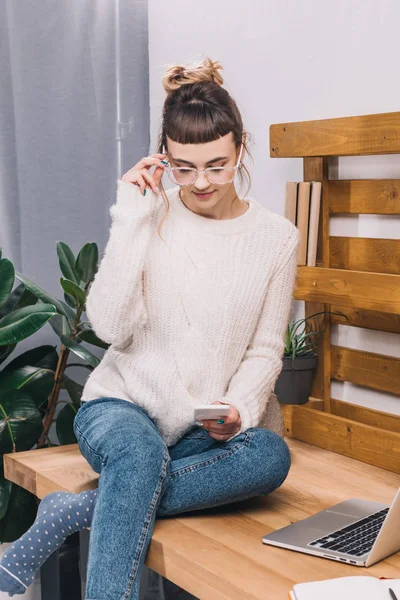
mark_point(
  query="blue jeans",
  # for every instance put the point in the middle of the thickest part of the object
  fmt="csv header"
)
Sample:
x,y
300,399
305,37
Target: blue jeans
x,y
141,478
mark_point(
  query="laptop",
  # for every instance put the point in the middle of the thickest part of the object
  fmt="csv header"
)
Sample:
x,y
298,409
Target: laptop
x,y
356,531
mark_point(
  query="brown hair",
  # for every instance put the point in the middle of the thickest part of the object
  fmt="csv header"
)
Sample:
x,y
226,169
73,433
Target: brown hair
x,y
198,110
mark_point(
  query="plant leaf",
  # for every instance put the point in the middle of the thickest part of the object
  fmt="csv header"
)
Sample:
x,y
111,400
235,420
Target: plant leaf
x,y
41,294
60,325
19,297
23,322
5,491
80,351
74,390
70,301
74,290
20,515
7,277
86,263
67,262
88,335
42,356
20,421
64,425
37,381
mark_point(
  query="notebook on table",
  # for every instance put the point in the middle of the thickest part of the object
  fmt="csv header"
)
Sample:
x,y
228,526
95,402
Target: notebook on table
x,y
346,588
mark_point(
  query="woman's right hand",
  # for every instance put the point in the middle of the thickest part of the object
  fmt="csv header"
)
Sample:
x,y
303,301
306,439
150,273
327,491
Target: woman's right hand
x,y
139,174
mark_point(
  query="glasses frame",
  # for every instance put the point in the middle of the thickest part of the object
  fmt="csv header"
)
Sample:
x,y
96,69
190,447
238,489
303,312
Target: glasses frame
x,y
207,169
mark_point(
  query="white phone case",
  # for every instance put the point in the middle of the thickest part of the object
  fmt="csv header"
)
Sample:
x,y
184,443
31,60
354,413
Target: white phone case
x,y
211,411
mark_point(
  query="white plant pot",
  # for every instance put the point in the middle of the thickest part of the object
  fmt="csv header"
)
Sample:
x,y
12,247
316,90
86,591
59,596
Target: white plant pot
x,y
33,592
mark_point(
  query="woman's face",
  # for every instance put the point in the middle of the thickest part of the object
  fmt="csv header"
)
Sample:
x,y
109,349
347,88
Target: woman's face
x,y
218,153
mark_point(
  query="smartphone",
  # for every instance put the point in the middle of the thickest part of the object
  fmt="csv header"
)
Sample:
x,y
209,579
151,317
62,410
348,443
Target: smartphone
x,y
211,411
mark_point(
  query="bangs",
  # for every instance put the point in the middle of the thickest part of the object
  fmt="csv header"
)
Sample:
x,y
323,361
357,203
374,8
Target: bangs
x,y
197,123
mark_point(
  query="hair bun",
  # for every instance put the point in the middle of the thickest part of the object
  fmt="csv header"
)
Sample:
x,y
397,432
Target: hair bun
x,y
204,70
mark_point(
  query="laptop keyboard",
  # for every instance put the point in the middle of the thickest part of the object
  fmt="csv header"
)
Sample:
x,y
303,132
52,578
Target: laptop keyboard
x,y
355,539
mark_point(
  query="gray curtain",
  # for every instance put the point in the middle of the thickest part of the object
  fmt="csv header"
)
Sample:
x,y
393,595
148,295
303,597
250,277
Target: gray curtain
x,y
74,116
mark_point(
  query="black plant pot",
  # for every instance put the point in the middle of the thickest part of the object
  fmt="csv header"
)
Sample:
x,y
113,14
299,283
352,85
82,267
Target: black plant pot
x,y
294,382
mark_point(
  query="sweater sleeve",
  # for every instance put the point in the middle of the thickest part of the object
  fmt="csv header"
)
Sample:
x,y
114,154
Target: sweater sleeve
x,y
254,380
115,302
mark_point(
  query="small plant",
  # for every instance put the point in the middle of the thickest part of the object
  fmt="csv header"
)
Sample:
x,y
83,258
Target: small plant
x,y
301,343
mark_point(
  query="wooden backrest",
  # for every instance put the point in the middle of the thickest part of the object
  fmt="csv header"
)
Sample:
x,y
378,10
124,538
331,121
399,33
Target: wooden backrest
x,y
360,277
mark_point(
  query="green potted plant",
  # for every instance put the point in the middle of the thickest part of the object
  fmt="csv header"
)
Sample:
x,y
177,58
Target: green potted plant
x,y
300,360
30,384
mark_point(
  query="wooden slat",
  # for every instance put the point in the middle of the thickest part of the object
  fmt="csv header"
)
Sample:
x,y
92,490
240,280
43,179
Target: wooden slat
x,y
348,136
374,255
359,413
362,414
368,444
375,371
364,196
370,291
368,319
217,554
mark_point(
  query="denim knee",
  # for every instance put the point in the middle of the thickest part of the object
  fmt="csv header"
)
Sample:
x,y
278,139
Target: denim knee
x,y
273,456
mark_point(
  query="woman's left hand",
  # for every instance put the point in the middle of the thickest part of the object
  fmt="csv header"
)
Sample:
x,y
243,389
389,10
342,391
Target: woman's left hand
x,y
232,424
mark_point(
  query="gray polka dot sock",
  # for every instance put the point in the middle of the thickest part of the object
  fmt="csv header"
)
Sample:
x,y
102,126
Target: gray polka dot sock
x,y
59,514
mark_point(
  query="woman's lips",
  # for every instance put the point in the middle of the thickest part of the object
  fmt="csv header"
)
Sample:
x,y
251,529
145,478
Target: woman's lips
x,y
204,196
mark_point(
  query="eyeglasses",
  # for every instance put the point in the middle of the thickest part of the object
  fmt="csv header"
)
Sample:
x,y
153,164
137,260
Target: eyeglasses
x,y
214,175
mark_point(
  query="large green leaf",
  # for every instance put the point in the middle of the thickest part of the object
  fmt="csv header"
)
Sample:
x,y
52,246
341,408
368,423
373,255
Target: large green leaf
x,y
70,301
37,381
23,322
71,312
20,421
80,351
60,325
19,297
86,263
74,390
5,491
42,356
7,277
89,336
64,425
67,262
20,515
73,290
5,351
41,294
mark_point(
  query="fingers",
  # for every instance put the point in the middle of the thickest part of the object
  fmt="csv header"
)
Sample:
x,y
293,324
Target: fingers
x,y
139,173
149,161
151,180
221,438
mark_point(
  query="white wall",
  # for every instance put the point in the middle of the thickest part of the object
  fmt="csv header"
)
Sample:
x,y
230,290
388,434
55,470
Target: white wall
x,y
286,60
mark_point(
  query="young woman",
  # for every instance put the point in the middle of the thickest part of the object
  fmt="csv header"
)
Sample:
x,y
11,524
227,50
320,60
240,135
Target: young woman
x,y
194,316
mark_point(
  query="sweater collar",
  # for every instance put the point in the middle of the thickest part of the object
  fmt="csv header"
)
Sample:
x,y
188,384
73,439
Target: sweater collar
x,y
218,226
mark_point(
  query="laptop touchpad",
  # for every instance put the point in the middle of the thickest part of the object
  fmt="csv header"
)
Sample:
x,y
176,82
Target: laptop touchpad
x,y
329,521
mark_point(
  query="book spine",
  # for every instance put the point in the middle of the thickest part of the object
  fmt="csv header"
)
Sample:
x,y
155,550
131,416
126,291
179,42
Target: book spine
x,y
315,205
303,211
291,201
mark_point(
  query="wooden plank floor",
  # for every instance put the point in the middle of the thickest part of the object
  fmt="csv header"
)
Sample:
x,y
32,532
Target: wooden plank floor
x,y
218,554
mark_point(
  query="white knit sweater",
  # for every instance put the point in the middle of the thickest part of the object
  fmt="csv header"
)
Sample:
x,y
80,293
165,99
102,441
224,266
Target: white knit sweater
x,y
195,317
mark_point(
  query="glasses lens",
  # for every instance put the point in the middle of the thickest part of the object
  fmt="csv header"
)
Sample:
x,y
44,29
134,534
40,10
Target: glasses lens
x,y
220,174
187,176
183,176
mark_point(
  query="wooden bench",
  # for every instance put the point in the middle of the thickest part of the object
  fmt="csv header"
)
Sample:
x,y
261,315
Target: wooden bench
x,y
218,555
339,450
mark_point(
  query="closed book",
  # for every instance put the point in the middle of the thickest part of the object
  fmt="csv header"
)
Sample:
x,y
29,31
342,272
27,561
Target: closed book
x,y
291,201
315,206
303,211
357,587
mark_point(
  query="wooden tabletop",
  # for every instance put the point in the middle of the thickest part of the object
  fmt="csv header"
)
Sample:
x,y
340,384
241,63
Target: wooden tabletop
x,y
217,554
